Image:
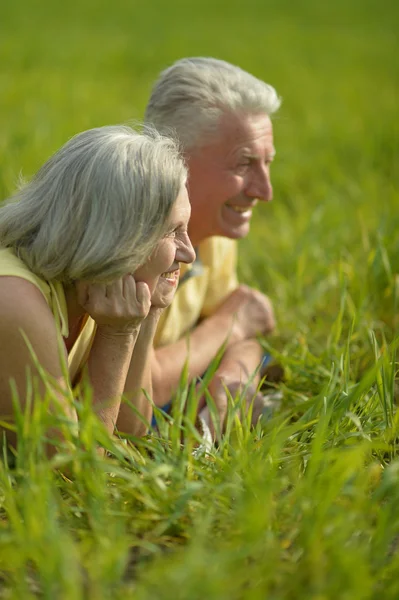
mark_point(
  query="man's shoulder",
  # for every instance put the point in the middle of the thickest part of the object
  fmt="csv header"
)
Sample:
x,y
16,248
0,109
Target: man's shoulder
x,y
216,249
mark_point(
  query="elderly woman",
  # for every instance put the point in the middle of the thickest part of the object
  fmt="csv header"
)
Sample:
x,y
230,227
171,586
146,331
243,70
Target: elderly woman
x,y
89,255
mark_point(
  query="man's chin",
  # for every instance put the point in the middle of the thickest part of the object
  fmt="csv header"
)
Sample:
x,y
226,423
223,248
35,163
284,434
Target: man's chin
x,y
235,233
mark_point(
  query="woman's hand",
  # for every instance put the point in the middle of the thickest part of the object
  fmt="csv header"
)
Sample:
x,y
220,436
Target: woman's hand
x,y
118,307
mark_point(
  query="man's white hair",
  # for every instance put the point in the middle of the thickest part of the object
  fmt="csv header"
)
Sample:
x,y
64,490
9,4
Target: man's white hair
x,y
189,98
97,207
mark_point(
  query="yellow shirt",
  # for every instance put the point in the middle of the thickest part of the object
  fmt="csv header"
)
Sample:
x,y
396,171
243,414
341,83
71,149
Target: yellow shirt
x,y
53,291
203,286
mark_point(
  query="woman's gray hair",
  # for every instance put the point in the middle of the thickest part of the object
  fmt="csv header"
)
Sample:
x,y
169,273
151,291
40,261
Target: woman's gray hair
x,y
189,98
97,207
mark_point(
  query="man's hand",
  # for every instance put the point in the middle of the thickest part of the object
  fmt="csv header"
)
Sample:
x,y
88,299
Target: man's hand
x,y
237,374
118,307
220,388
249,312
243,314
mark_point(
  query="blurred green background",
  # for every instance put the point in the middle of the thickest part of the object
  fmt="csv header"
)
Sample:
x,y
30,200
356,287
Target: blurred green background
x,y
65,67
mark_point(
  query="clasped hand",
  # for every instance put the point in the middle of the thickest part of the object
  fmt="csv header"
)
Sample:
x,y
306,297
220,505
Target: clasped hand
x,y
249,311
118,307
222,387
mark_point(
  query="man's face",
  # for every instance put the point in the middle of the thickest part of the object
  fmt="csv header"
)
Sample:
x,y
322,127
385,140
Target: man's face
x,y
229,175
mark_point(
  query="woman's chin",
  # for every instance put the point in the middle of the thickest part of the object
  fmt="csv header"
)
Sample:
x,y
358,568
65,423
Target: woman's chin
x,y
164,294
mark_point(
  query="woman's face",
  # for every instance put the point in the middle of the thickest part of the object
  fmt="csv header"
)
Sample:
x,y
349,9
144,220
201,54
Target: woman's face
x,y
161,271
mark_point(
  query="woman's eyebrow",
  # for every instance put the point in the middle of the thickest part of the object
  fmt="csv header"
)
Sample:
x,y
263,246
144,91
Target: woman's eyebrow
x,y
175,226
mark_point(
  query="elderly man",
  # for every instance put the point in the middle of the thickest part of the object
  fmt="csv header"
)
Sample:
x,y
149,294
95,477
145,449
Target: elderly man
x,y
221,116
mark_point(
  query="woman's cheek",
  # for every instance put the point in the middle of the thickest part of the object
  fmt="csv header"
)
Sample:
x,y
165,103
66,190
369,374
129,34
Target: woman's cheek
x,y
168,255
146,275
152,284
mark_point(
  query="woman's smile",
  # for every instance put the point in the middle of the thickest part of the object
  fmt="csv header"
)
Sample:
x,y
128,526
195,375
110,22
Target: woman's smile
x,y
171,277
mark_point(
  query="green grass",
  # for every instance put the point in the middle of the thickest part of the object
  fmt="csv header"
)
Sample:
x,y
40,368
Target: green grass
x,y
305,506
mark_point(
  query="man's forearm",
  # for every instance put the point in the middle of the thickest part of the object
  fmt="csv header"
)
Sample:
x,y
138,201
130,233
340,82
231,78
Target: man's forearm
x,y
199,348
241,360
237,375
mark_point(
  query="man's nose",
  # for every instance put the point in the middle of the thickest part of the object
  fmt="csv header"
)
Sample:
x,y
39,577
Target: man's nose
x,y
186,253
261,186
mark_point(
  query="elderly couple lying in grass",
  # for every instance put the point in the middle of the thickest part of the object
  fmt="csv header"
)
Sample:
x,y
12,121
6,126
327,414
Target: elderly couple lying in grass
x,y
99,279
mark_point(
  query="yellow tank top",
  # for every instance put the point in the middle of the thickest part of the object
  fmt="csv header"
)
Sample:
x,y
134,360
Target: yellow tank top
x,y
53,291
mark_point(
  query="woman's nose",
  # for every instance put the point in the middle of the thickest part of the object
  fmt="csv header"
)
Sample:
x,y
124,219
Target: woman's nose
x,y
186,252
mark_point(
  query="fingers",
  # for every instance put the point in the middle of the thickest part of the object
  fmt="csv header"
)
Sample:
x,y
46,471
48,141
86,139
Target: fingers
x,y
129,287
217,389
137,292
256,404
121,304
81,288
114,289
143,294
89,294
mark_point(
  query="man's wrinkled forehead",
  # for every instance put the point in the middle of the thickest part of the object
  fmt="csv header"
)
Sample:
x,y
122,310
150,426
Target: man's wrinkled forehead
x,y
234,136
247,133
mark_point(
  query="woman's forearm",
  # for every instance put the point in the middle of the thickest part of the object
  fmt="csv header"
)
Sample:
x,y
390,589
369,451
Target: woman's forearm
x,y
138,381
119,309
108,367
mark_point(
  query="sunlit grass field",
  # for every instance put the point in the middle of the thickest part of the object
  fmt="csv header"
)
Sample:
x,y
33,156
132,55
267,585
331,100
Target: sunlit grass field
x,y
306,506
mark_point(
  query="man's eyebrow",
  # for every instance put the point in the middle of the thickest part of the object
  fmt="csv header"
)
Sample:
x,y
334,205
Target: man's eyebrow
x,y
252,156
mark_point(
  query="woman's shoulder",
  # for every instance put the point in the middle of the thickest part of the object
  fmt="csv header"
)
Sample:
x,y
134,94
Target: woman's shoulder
x,y
19,296
23,308
26,325
16,275
30,291
12,266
